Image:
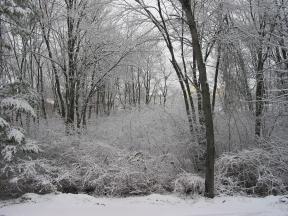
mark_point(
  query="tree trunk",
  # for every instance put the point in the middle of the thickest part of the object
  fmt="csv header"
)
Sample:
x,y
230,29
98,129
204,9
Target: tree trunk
x,y
139,86
198,91
259,94
210,160
216,78
70,89
77,105
185,77
1,53
55,72
42,94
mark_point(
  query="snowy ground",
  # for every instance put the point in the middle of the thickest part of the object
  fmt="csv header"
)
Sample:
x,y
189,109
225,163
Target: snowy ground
x,y
168,205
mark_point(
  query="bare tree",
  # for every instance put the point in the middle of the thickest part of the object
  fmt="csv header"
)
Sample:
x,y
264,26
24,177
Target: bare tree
x,y
210,158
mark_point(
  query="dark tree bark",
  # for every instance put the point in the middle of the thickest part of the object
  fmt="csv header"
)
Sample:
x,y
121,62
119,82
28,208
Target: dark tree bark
x,y
216,78
198,91
1,51
210,160
71,43
139,86
77,105
42,94
259,94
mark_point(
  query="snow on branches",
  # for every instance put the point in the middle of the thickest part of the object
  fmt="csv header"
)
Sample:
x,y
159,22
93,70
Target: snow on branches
x,y
17,104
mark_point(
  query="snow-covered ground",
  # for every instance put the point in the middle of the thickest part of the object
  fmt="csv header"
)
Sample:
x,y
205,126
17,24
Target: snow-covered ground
x,y
168,205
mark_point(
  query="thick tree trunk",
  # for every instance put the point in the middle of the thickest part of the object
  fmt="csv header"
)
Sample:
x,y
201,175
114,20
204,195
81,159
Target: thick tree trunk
x,y
198,91
259,94
84,122
210,160
90,109
70,90
97,103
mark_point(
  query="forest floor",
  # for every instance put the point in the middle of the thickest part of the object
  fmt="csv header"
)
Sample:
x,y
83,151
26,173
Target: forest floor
x,y
168,205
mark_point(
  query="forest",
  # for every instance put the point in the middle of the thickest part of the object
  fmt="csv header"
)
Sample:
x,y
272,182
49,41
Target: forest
x,y
124,98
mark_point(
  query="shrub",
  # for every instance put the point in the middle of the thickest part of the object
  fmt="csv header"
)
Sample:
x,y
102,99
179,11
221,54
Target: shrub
x,y
258,171
27,176
189,184
122,183
108,160
136,174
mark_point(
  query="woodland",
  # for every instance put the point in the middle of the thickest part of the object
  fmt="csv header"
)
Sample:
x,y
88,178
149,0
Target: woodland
x,y
125,98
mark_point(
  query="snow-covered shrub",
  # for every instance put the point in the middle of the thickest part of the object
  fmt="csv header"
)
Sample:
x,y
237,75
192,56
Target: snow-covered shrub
x,y
109,160
152,129
187,183
113,174
163,170
130,174
127,153
122,183
29,176
257,171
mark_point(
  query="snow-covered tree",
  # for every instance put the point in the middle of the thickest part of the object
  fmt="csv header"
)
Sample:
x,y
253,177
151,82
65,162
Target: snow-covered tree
x,y
13,145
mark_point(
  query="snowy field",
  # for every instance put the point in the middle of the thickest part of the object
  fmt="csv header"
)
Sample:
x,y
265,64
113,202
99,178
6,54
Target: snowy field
x,y
167,205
